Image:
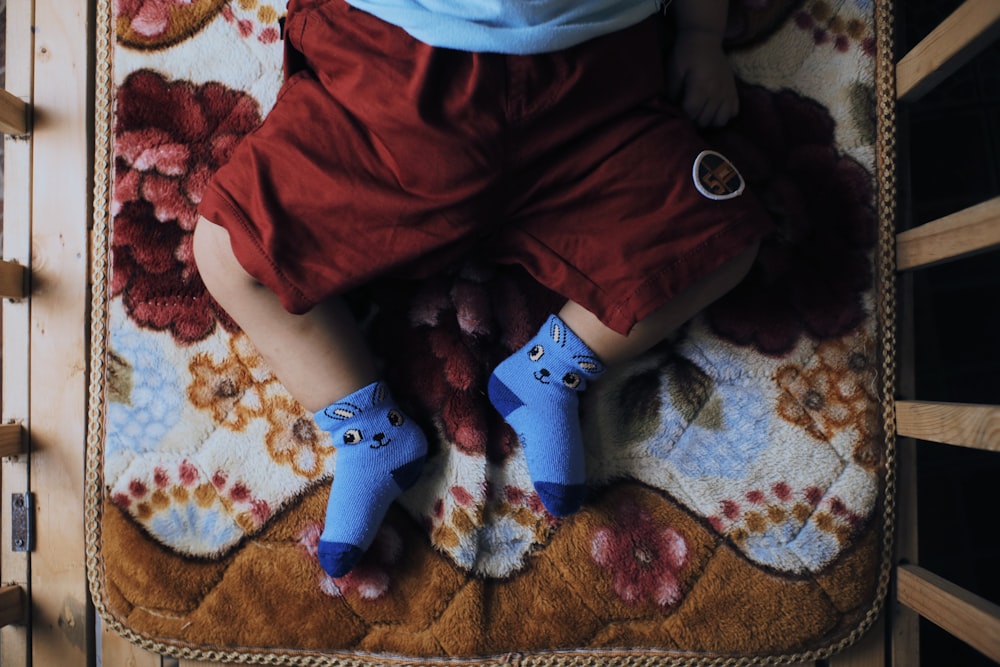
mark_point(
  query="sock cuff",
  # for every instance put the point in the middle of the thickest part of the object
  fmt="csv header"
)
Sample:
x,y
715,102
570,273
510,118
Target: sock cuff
x,y
572,347
332,417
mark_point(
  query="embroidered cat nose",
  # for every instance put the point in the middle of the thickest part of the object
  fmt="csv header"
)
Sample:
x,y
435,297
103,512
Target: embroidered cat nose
x,y
380,441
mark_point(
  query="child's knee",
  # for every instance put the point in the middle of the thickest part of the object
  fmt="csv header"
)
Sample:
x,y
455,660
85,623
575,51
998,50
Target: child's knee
x,y
213,255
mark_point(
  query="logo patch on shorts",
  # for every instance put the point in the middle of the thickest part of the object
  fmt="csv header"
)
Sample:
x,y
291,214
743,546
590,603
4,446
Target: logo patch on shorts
x,y
716,177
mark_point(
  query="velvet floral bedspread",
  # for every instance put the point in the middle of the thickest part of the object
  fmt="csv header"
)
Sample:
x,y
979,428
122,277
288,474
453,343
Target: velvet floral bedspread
x,y
737,471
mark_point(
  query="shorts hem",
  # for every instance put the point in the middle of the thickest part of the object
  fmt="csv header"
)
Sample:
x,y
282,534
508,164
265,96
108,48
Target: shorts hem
x,y
684,272
219,208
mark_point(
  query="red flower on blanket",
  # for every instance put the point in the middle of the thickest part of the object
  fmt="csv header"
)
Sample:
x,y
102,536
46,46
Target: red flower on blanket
x,y
643,557
810,276
458,327
828,26
169,139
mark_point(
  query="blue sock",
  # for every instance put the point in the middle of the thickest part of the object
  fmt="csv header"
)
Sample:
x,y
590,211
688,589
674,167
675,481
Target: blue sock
x,y
536,390
380,453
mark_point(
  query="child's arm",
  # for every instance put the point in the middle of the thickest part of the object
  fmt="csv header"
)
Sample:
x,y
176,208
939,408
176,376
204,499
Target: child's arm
x,y
699,75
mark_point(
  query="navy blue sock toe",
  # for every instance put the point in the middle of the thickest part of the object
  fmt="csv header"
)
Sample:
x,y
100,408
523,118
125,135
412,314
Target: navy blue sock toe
x,y
561,499
338,558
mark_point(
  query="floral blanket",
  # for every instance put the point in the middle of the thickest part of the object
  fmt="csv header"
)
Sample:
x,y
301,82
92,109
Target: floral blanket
x,y
738,472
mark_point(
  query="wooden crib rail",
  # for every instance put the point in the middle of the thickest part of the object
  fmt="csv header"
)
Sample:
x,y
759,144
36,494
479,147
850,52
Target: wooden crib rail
x,y
43,374
12,280
975,426
971,231
972,27
14,120
13,114
967,616
959,38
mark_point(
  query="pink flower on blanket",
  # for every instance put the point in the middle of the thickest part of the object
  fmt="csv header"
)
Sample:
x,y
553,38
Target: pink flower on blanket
x,y
370,578
169,139
254,18
643,556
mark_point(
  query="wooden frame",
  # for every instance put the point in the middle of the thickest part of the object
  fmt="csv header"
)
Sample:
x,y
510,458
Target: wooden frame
x,y
919,592
44,336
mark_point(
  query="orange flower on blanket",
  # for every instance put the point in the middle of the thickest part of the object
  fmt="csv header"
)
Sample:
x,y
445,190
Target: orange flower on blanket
x,y
834,393
219,388
239,389
294,439
643,557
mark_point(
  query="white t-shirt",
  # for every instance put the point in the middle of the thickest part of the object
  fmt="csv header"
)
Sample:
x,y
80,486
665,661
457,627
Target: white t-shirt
x,y
509,26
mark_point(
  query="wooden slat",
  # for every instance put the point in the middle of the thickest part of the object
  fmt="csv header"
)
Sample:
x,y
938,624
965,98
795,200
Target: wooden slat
x,y
12,603
14,373
963,424
11,439
13,114
62,630
966,616
953,43
11,280
904,624
973,230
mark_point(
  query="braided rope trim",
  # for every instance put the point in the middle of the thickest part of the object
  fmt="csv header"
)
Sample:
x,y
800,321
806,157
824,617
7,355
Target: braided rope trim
x,y
93,502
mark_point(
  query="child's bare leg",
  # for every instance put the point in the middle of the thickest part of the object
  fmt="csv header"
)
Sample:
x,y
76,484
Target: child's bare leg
x,y
319,356
322,359
613,348
536,388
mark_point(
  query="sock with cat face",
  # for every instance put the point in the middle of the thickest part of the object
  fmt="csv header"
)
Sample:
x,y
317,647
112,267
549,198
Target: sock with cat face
x,y
536,390
380,454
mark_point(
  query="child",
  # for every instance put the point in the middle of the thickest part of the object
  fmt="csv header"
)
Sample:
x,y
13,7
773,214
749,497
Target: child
x,y
409,133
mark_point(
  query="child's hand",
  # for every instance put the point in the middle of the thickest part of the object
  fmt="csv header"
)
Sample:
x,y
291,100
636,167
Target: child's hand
x,y
701,80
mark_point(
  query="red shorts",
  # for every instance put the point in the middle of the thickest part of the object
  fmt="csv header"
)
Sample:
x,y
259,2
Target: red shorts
x,y
384,156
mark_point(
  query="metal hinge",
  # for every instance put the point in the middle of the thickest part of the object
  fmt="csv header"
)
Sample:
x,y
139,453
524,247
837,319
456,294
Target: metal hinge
x,y
22,522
